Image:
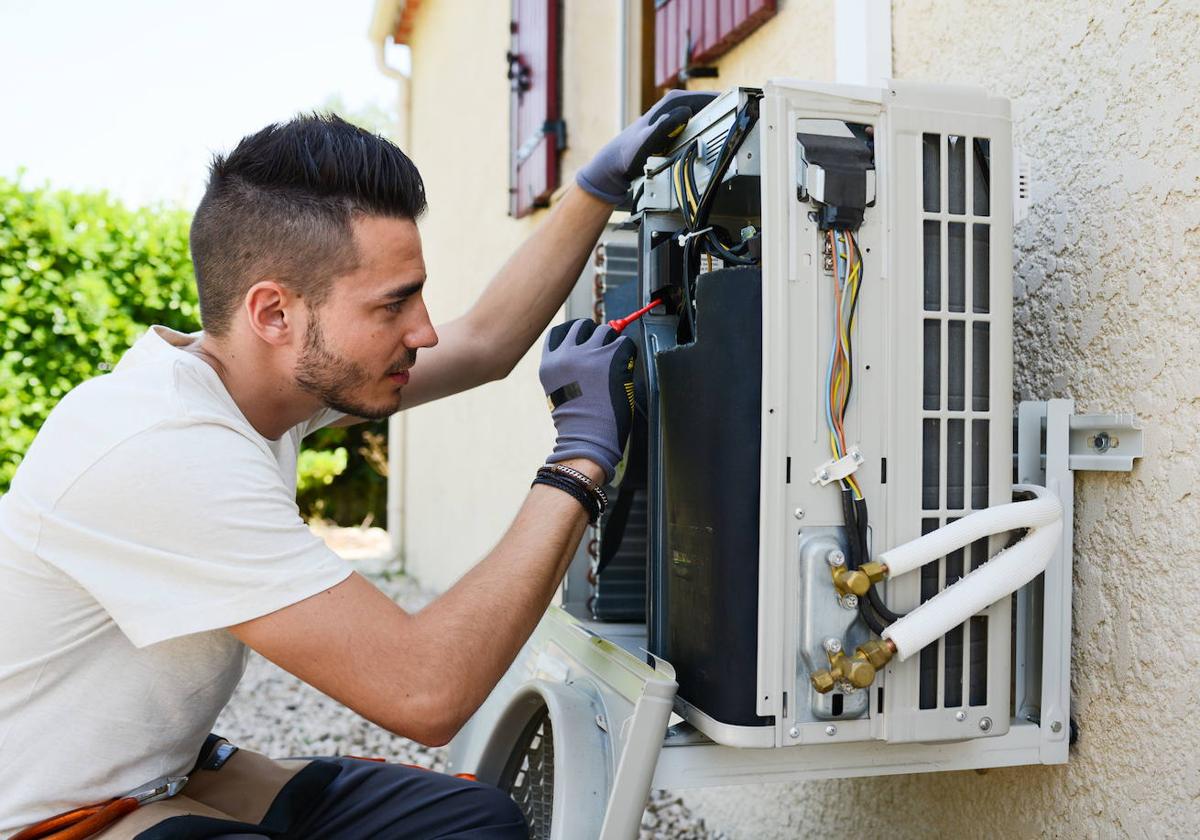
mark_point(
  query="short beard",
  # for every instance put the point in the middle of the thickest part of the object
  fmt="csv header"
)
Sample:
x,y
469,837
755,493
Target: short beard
x,y
332,379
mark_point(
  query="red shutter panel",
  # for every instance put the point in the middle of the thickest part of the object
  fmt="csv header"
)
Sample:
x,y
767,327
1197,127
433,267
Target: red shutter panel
x,y
536,131
691,32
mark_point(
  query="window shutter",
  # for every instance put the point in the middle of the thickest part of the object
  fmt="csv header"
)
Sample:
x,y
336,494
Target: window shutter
x,y
691,32
536,131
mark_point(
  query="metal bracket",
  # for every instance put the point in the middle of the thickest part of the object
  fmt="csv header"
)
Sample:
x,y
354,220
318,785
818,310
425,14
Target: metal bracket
x,y
1053,442
1104,442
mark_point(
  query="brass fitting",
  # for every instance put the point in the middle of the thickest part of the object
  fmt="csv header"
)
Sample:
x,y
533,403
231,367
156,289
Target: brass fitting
x,y
859,670
823,682
877,651
858,581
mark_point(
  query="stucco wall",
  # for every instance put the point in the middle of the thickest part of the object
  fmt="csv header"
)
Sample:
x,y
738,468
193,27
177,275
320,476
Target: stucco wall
x,y
1105,98
467,461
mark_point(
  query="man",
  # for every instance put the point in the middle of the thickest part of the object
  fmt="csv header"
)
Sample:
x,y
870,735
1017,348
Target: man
x,y
151,534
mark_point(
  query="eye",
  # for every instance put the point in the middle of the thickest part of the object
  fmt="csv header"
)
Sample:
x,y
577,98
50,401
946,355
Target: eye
x,y
396,305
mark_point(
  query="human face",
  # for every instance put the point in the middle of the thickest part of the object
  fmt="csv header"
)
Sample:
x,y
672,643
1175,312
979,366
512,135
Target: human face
x,y
361,342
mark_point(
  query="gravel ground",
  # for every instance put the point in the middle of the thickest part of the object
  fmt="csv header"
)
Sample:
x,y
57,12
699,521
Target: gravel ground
x,y
274,713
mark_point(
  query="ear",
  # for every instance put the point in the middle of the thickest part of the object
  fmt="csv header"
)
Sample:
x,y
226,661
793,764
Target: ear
x,y
273,311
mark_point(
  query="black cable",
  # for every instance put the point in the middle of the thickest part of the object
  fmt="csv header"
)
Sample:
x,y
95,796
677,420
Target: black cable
x,y
743,121
873,595
689,304
869,617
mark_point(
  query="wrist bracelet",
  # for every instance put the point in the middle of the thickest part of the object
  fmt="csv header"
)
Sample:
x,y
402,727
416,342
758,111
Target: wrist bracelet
x,y
563,469
590,504
564,473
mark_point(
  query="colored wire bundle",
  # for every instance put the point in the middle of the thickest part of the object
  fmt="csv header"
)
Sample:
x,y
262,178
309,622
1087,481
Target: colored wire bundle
x,y
839,383
839,374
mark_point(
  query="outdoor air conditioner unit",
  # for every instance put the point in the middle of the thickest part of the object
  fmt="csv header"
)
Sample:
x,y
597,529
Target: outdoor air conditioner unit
x,y
736,368
823,446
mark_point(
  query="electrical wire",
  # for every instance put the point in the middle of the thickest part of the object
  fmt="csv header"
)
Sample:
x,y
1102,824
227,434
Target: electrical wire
x,y
839,384
695,205
839,377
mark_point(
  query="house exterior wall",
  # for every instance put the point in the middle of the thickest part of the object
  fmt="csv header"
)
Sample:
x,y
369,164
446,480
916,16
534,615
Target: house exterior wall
x,y
467,461
1106,309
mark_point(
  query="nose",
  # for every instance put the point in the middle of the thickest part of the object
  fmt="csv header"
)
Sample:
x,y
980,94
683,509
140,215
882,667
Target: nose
x,y
422,333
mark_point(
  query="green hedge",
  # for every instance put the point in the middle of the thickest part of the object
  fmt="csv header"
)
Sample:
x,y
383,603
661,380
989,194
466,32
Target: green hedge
x,y
81,278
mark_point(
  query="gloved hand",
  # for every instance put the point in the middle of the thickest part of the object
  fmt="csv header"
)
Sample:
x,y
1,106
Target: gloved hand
x,y
608,175
587,372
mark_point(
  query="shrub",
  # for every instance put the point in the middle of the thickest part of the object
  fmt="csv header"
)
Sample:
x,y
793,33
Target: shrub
x,y
81,278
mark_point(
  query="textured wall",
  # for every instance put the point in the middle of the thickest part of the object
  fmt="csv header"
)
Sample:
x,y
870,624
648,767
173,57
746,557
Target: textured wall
x,y
797,42
468,460
1105,97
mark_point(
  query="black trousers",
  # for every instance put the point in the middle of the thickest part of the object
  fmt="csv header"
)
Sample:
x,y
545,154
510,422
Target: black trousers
x,y
251,797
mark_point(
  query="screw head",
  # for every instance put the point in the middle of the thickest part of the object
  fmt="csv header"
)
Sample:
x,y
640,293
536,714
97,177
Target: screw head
x,y
831,730
960,716
850,601
985,724
823,475
799,513
835,558
794,732
1056,726
833,645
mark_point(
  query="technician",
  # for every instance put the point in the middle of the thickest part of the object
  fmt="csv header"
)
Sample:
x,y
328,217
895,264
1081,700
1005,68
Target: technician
x,y
151,534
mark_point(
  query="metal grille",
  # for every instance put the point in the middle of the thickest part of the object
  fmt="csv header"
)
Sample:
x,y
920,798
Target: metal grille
x,y
529,775
712,149
956,204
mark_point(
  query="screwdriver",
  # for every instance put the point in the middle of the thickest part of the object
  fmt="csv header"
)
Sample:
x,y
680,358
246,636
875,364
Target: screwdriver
x,y
619,324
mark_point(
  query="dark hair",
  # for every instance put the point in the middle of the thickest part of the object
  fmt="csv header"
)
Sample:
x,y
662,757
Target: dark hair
x,y
280,205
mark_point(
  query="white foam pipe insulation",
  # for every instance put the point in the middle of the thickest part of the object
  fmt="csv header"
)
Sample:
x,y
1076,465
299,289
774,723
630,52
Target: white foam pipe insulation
x,y
1005,573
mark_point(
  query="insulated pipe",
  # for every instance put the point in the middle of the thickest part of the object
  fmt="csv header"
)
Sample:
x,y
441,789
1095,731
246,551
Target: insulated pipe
x,y
1008,571
984,523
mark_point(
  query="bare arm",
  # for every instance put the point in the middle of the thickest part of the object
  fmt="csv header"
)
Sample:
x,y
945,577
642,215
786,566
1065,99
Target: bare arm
x,y
423,675
515,308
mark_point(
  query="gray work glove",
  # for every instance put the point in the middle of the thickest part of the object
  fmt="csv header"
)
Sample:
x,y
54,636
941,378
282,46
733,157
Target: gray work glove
x,y
587,372
609,174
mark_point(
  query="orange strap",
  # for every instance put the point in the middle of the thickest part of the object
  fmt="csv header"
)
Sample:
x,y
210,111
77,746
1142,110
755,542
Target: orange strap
x,y
79,823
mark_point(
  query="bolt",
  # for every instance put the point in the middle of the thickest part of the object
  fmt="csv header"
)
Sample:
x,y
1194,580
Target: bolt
x,y
831,730
835,558
799,513
1101,442
960,716
1056,726
794,732
849,602
833,645
823,475
857,457
846,688
985,724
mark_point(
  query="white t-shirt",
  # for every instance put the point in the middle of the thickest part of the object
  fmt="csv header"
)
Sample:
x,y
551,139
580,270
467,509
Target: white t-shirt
x,y
147,516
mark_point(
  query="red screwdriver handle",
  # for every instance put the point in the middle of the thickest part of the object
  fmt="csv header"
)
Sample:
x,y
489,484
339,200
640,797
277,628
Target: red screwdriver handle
x,y
620,324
